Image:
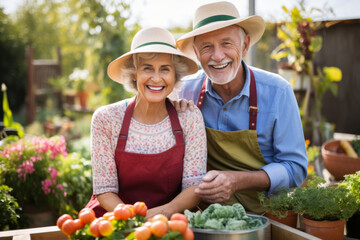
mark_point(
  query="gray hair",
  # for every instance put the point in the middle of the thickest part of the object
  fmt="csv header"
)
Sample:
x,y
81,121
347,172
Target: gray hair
x,y
128,71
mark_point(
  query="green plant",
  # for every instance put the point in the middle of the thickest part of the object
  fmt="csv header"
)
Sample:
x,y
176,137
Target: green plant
x,y
8,119
299,45
352,183
77,175
9,210
279,204
30,166
319,202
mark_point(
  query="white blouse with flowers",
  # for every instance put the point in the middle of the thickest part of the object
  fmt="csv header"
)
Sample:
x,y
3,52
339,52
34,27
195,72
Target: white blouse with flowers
x,y
146,139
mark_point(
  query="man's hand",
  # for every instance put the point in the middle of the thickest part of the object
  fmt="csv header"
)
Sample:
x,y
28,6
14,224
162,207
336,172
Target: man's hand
x,y
217,186
182,104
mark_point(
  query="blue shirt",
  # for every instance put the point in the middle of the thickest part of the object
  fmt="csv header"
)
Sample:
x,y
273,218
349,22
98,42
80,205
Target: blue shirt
x,y
279,129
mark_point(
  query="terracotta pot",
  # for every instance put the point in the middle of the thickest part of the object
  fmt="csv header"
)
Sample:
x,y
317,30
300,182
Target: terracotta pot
x,y
83,96
337,162
329,230
290,220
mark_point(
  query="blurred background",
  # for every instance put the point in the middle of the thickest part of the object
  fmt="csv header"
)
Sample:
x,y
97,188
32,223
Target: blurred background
x,y
43,42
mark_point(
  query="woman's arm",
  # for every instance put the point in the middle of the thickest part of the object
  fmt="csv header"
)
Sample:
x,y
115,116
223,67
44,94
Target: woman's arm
x,y
187,199
109,200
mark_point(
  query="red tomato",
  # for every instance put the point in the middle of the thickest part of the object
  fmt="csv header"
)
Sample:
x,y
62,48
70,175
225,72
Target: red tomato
x,y
69,227
122,213
131,208
94,228
60,221
160,217
140,208
105,228
142,233
107,215
189,234
178,226
79,224
87,216
158,228
179,216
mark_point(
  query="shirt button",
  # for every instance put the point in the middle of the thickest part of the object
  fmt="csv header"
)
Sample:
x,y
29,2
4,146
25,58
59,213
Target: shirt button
x,y
224,109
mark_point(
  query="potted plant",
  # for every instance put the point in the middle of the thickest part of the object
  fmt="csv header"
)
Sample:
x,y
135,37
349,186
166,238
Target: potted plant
x,y
324,209
299,46
30,167
280,206
79,80
352,183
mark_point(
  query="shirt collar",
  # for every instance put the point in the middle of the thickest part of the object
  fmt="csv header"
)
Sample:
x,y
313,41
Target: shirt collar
x,y
244,92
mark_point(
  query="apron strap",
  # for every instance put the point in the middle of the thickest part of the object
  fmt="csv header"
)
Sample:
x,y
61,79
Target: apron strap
x,y
175,124
253,109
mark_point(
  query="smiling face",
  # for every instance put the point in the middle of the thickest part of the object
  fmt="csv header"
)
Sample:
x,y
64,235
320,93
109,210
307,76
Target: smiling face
x,y
155,77
220,53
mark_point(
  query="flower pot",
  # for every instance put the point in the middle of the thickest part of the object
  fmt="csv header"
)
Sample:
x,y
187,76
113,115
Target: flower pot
x,y
336,161
83,96
353,226
290,220
329,230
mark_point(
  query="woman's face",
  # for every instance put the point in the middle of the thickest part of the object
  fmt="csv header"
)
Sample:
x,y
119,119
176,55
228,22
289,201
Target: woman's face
x,y
155,77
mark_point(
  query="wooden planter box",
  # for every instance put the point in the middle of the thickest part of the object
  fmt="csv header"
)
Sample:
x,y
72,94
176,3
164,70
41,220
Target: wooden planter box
x,y
278,231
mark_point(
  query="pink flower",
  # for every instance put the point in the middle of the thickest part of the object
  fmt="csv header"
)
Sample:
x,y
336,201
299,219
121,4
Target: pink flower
x,y
46,184
53,173
60,187
25,168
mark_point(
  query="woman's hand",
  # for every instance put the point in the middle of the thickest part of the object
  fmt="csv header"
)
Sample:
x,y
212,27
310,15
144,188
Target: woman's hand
x,y
182,104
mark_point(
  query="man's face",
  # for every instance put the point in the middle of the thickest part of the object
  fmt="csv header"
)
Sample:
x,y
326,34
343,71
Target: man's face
x,y
220,53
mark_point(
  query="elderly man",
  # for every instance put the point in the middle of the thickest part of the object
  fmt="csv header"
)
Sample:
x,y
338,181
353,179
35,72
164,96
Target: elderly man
x,y
254,133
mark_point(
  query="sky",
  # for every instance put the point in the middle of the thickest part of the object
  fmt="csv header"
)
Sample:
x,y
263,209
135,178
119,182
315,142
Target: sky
x,y
170,13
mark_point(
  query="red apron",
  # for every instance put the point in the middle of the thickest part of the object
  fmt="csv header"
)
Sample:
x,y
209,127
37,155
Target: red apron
x,y
151,178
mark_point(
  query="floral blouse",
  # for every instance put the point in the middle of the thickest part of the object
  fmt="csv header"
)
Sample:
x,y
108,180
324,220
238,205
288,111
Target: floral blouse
x,y
146,139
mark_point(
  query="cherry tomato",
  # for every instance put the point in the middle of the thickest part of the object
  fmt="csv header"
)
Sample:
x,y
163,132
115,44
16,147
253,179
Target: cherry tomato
x,y
158,228
105,228
160,217
87,216
140,208
142,233
179,216
189,234
60,221
122,213
69,227
178,226
94,228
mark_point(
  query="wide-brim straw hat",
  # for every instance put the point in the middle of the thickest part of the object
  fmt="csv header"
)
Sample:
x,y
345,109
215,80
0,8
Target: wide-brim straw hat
x,y
150,40
214,16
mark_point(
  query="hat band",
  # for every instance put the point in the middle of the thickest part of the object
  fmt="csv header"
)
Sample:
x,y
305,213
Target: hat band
x,y
154,43
211,19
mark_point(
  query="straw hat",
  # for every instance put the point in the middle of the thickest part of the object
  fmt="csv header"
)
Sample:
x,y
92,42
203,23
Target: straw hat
x,y
150,40
214,16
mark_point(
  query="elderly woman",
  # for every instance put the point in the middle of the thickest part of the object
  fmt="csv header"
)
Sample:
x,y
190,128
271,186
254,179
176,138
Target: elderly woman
x,y
142,149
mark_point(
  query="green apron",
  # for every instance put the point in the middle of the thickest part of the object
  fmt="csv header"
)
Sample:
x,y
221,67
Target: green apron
x,y
237,151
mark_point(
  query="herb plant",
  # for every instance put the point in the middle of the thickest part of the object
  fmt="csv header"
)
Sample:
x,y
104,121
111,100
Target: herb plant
x,y
9,210
279,204
352,183
319,202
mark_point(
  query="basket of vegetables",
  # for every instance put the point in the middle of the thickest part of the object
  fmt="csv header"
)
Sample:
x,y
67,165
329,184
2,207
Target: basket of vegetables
x,y
341,157
227,222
